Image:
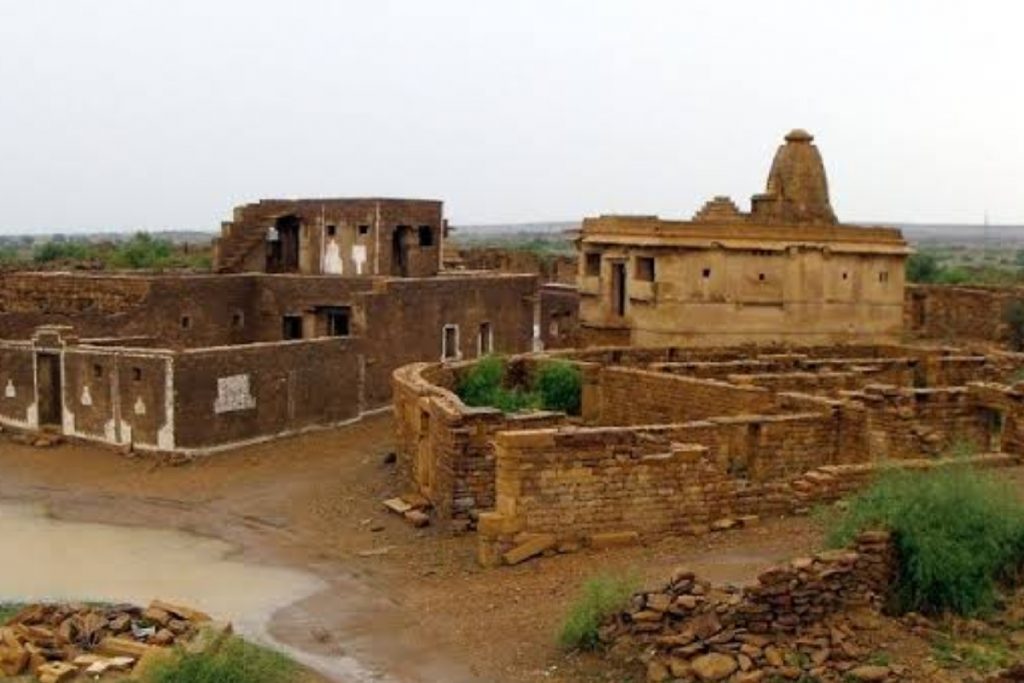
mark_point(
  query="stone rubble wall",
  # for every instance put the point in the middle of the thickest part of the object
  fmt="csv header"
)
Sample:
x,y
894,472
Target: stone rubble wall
x,y
689,628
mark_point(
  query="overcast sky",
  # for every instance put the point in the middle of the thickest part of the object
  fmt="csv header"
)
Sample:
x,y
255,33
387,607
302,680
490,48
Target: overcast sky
x,y
118,114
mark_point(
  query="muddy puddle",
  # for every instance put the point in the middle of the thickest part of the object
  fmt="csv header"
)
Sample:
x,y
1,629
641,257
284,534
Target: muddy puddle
x,y
53,559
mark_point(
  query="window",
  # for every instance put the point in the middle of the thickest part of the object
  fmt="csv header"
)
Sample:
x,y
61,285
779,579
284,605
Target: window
x,y
237,319
761,277
426,234
883,276
186,322
332,230
706,273
644,269
338,321
291,327
593,264
97,371
450,343
485,340
845,275
137,374
364,230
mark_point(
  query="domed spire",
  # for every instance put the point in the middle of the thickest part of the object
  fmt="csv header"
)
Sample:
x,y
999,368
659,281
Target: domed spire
x,y
797,190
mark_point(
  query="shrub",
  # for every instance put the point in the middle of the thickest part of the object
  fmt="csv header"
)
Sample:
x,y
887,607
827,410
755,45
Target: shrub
x,y
142,251
483,385
236,661
601,597
959,532
559,384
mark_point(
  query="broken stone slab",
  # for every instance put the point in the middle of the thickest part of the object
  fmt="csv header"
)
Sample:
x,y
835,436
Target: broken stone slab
x,y
55,672
114,646
209,638
417,518
397,505
181,611
532,547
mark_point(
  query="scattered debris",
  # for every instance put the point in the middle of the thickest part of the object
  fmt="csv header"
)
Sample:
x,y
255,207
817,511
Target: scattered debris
x,y
57,642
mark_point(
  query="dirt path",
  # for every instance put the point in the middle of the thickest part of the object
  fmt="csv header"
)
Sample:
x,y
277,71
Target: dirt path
x,y
422,610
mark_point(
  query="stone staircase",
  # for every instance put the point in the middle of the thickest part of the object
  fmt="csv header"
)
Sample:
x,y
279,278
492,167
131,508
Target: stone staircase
x,y
238,237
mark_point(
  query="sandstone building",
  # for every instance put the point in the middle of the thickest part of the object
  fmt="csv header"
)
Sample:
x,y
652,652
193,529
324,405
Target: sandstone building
x,y
786,271
318,302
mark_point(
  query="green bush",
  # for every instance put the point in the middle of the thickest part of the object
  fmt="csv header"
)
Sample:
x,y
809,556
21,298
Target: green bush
x,y
236,661
601,597
559,383
142,251
483,385
959,533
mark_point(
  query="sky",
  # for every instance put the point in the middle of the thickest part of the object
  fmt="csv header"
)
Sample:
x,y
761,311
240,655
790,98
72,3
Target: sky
x,y
164,114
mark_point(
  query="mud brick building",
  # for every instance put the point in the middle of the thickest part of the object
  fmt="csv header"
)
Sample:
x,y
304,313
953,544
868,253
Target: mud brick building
x,y
786,271
318,302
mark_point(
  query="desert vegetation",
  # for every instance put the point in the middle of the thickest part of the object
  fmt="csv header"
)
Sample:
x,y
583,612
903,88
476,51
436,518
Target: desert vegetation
x,y
556,385
236,661
141,251
959,534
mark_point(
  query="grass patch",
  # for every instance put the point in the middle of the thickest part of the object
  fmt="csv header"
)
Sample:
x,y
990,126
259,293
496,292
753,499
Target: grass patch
x,y
601,597
984,656
557,386
959,532
8,610
236,661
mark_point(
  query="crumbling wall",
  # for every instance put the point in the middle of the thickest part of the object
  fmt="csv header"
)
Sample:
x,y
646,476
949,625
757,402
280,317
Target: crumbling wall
x,y
445,448
559,316
633,396
560,268
954,313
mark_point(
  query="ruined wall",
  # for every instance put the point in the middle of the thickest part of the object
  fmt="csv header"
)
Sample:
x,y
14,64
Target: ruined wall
x,y
236,394
445,448
954,313
548,267
559,316
584,485
632,396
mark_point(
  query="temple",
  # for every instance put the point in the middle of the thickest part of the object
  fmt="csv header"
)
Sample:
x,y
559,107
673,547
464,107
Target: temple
x,y
787,271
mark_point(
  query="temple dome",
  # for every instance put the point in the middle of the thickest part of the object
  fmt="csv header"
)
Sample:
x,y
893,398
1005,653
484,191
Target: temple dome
x,y
797,189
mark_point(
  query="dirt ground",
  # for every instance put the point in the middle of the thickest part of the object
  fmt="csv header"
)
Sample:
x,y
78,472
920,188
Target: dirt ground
x,y
414,608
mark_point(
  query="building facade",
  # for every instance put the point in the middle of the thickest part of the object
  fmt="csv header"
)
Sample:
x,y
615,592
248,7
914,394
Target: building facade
x,y
787,271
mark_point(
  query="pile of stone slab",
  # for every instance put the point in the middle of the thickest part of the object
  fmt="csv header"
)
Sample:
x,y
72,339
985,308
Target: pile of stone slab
x,y
58,642
794,622
412,507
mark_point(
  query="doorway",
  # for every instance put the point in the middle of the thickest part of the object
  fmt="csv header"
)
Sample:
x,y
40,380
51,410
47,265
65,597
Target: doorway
x,y
49,389
283,245
619,288
400,250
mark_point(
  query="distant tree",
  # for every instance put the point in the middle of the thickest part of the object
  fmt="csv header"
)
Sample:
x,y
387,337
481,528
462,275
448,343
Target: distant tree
x,y
923,268
1013,316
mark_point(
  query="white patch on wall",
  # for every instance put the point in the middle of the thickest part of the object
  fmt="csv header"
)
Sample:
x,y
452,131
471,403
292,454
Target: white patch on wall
x,y
9,391
359,257
140,407
86,398
332,258
233,394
